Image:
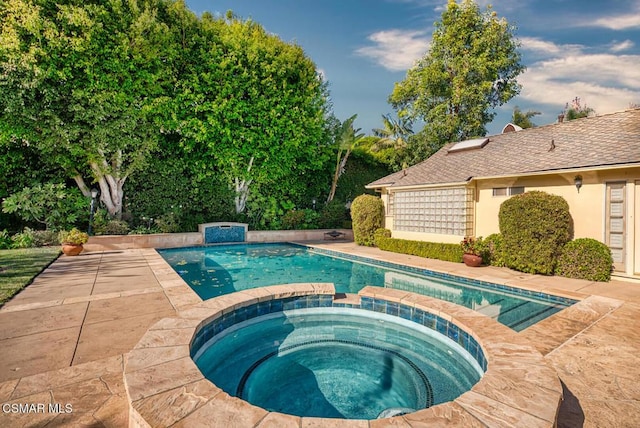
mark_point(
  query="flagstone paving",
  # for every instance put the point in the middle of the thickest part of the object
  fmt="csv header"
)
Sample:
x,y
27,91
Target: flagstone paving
x,y
64,337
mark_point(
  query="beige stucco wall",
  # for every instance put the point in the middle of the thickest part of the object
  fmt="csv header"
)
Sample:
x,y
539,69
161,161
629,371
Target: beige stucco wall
x,y
587,207
636,239
428,237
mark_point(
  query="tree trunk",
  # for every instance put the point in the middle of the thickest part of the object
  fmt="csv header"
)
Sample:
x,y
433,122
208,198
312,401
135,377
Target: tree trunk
x,y
242,190
111,190
340,168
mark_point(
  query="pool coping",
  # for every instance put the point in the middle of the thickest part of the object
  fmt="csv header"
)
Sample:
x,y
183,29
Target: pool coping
x,y
165,387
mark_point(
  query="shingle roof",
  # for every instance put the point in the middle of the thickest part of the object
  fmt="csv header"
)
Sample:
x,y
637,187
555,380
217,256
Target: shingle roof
x,y
611,139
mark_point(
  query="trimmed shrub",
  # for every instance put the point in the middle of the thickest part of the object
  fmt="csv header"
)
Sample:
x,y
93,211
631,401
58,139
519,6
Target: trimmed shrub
x,y
22,239
493,253
585,258
333,215
5,240
300,219
103,224
367,215
431,250
380,234
534,227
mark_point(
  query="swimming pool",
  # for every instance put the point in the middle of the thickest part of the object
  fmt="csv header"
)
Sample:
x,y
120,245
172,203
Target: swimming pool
x,y
222,269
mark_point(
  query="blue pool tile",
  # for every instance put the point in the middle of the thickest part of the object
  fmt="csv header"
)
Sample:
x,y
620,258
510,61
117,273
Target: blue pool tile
x,y
406,312
418,316
288,304
366,303
429,320
441,326
252,311
313,301
276,305
263,308
453,332
380,306
392,308
241,314
326,301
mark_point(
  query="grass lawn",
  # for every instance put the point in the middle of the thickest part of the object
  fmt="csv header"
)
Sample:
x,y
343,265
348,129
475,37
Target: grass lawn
x,y
19,267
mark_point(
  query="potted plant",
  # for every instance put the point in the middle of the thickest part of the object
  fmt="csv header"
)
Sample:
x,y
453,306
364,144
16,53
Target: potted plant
x,y
472,249
72,241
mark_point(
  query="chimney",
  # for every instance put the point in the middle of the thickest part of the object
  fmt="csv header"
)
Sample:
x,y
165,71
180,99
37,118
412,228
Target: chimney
x,y
561,118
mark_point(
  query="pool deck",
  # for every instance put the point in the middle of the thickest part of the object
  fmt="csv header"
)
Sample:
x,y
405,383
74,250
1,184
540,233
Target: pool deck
x,y
64,337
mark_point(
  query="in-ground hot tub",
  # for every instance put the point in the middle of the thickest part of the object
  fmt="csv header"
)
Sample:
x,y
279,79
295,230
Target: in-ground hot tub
x,y
305,357
166,387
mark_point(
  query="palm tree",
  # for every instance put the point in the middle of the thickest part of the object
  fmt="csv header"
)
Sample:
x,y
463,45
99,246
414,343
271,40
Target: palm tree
x,y
394,134
346,139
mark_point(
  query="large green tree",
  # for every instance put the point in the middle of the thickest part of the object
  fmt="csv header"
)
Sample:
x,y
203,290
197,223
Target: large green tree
x,y
471,68
253,110
81,81
523,119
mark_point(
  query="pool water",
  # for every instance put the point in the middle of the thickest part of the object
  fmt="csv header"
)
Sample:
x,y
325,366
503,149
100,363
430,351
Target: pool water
x,y
337,363
216,270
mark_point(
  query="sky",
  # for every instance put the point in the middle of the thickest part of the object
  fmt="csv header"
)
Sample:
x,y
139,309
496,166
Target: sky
x,y
588,49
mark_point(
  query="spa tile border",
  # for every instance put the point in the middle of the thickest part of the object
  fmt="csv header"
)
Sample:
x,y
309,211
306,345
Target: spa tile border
x,y
427,319
166,388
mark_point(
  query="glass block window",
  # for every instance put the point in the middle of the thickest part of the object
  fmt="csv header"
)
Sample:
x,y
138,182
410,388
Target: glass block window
x,y
446,211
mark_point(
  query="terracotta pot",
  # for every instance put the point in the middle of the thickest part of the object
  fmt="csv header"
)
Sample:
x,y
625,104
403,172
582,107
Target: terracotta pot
x,y
472,260
72,249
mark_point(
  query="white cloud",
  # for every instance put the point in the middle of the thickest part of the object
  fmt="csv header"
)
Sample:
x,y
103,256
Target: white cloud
x,y
620,22
604,82
622,46
547,48
396,50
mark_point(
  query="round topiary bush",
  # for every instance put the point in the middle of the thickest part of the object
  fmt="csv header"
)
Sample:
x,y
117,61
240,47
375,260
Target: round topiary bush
x,y
367,215
534,227
493,253
585,258
380,234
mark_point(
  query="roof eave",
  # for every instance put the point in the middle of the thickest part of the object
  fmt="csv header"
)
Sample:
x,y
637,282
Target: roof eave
x,y
561,171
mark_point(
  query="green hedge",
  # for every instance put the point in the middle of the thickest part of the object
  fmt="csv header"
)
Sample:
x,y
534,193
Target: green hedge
x,y
431,250
534,227
367,215
585,258
493,252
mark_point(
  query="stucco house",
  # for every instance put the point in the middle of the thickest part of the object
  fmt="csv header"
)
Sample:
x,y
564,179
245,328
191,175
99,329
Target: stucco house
x,y
594,163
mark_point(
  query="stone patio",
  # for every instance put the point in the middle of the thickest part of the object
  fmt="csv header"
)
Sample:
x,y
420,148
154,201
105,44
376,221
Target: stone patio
x,y
65,336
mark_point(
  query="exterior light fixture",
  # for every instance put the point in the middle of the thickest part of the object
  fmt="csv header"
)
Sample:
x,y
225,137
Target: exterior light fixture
x,y
348,204
313,201
577,180
94,195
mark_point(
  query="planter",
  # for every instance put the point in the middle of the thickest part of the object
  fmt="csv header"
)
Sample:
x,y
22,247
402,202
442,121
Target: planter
x,y
472,260
72,249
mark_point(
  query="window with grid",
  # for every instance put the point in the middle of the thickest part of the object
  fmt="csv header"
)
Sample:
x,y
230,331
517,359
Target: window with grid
x,y
445,211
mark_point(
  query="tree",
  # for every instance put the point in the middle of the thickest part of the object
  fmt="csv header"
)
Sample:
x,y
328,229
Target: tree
x,y
523,120
393,134
576,110
470,68
252,109
347,138
80,81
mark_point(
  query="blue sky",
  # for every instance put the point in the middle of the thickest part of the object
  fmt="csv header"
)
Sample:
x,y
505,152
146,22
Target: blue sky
x,y
588,49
